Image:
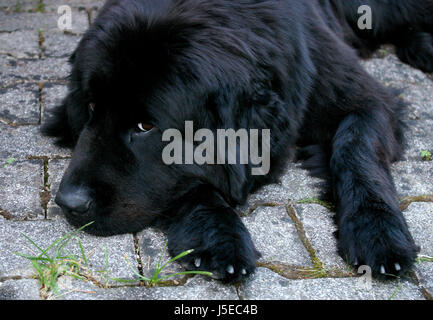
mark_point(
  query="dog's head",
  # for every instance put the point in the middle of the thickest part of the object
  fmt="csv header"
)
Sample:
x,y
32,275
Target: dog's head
x,y
145,67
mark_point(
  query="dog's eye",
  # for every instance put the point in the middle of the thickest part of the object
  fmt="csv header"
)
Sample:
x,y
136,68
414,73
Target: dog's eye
x,y
144,127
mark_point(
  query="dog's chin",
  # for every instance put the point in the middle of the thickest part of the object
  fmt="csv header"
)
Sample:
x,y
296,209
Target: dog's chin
x,y
98,225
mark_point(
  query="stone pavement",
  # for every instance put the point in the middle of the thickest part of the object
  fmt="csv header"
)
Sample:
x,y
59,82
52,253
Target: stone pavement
x,y
289,225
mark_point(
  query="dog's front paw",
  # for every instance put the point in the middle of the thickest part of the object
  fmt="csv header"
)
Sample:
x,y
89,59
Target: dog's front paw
x,y
230,256
378,238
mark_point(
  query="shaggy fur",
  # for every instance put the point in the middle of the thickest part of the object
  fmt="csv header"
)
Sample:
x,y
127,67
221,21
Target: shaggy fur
x,y
290,66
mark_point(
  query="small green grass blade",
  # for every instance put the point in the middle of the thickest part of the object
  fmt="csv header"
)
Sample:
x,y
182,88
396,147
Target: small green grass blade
x,y
205,273
27,256
181,255
135,271
36,246
83,256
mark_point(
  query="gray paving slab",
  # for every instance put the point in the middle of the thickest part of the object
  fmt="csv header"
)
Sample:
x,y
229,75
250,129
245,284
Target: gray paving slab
x,y
59,44
295,184
276,237
419,216
52,95
19,104
267,285
392,72
17,21
413,178
23,142
19,5
78,4
32,70
419,138
21,183
20,44
23,289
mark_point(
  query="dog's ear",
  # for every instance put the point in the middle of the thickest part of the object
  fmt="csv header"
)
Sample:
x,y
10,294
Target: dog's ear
x,y
56,125
66,121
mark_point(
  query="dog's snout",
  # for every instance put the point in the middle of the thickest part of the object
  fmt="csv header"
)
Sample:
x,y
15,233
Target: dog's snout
x,y
74,200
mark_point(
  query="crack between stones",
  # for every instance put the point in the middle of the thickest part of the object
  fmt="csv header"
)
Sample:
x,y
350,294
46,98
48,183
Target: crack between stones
x,y
256,206
54,157
41,41
33,81
425,293
15,125
294,272
8,54
45,194
138,258
407,201
291,211
3,279
6,214
238,291
317,201
40,88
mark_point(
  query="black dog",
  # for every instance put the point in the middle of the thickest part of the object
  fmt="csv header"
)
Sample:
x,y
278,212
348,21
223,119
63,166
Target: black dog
x,y
290,66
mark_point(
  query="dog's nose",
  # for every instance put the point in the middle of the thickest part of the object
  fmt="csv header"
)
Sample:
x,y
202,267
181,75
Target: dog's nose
x,y
75,200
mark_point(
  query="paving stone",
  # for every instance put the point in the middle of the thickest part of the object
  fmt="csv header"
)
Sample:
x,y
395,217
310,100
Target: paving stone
x,y
20,104
413,178
319,228
419,137
52,95
19,5
26,141
295,184
267,285
419,216
21,183
420,99
81,5
151,243
35,70
59,44
392,72
56,168
275,236
45,232
196,288
20,44
13,21
25,289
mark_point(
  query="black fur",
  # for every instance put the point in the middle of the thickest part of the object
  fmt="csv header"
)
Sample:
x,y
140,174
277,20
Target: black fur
x,y
290,66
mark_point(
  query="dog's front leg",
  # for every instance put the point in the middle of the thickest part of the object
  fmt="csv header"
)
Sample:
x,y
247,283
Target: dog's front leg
x,y
371,228
203,221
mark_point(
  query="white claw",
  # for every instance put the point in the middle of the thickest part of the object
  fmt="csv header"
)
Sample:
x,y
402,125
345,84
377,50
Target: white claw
x,y
382,269
197,262
397,267
230,269
244,271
